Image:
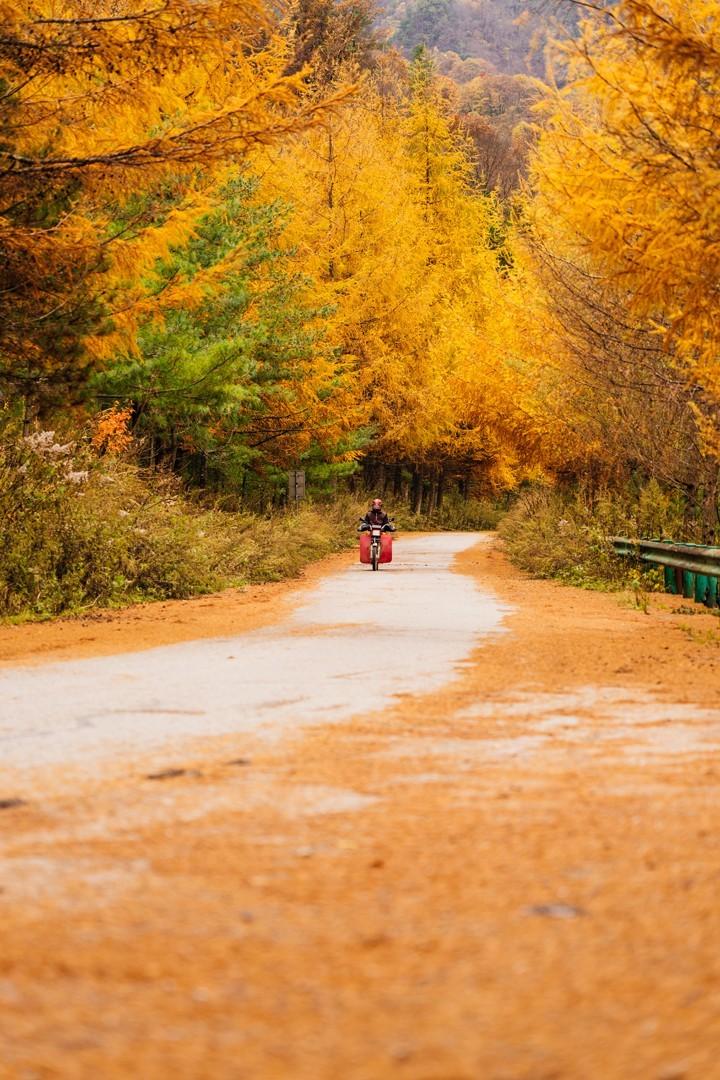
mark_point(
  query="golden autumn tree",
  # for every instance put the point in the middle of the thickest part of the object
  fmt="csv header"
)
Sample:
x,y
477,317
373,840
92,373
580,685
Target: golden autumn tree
x,y
358,235
627,171
625,192
115,120
493,430
621,392
404,253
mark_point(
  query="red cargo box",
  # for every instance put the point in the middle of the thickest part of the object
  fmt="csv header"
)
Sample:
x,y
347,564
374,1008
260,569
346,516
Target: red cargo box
x,y
385,547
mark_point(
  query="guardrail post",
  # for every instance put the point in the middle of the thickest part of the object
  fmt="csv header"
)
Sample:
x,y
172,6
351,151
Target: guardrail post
x,y
713,590
702,587
673,577
688,584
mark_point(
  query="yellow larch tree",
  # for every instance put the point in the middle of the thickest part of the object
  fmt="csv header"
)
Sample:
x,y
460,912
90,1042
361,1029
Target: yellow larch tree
x,y
492,426
627,170
359,236
406,255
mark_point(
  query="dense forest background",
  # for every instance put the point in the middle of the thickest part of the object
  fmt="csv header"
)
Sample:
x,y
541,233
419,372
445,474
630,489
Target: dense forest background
x,y
460,252
490,52
479,37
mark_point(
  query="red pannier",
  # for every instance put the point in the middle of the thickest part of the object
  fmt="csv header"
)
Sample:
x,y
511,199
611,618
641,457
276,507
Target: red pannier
x,y
385,547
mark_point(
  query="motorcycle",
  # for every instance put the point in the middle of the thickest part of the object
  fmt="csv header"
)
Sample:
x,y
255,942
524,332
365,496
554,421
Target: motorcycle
x,y
375,543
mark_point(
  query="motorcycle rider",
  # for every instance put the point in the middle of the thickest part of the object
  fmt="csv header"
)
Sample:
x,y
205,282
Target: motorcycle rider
x,y
376,516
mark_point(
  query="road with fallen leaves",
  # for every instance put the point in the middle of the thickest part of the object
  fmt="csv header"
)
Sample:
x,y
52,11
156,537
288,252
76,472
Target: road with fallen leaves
x,y
437,823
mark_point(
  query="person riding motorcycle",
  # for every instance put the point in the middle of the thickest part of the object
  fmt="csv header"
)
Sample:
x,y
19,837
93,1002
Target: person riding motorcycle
x,y
376,516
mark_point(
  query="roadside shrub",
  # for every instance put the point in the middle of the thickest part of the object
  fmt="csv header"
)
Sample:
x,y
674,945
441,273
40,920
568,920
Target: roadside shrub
x,y
456,514
466,515
279,546
568,537
81,531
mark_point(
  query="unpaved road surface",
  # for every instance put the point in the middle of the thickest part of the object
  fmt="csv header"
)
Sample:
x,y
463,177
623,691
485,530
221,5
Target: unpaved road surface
x,y
438,823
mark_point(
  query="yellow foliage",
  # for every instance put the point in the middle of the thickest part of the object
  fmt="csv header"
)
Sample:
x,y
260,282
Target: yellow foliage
x,y
103,104
126,120
627,170
436,334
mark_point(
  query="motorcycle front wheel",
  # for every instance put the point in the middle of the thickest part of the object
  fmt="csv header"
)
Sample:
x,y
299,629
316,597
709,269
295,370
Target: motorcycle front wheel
x,y
375,554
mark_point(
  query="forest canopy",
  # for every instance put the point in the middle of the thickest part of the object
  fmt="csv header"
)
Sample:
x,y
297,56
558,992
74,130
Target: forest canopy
x,y
378,246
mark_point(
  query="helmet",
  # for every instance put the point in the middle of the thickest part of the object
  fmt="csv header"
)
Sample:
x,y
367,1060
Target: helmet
x,y
377,504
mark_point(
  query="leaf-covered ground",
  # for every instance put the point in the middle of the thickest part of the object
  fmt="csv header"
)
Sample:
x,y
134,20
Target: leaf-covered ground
x,y
514,877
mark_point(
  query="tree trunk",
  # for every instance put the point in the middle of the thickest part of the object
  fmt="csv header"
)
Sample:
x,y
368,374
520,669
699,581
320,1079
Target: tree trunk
x,y
330,200
29,412
369,473
440,489
711,509
417,495
432,496
404,487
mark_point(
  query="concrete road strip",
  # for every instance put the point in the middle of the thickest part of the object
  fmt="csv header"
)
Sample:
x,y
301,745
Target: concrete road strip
x,y
358,639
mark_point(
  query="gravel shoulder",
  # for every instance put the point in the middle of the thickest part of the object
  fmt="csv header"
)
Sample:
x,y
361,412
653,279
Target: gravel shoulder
x,y
512,878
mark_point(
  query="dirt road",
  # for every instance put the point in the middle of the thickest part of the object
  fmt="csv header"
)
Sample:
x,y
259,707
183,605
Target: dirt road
x,y
512,873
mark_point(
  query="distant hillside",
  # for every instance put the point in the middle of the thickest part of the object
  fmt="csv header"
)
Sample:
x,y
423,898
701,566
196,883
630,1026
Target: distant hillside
x,y
479,36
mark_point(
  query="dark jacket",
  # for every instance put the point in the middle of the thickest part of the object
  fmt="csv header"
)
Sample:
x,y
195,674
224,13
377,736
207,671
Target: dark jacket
x,y
376,517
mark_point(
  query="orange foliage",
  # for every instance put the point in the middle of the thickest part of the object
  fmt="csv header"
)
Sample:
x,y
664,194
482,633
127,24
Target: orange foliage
x,y
112,433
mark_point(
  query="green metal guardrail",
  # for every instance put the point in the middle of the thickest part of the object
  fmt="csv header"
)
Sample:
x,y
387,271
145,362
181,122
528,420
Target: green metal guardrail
x,y
691,570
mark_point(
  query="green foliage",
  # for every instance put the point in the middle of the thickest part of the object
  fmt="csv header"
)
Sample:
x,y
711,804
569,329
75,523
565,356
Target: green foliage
x,y
79,532
424,23
568,536
216,387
